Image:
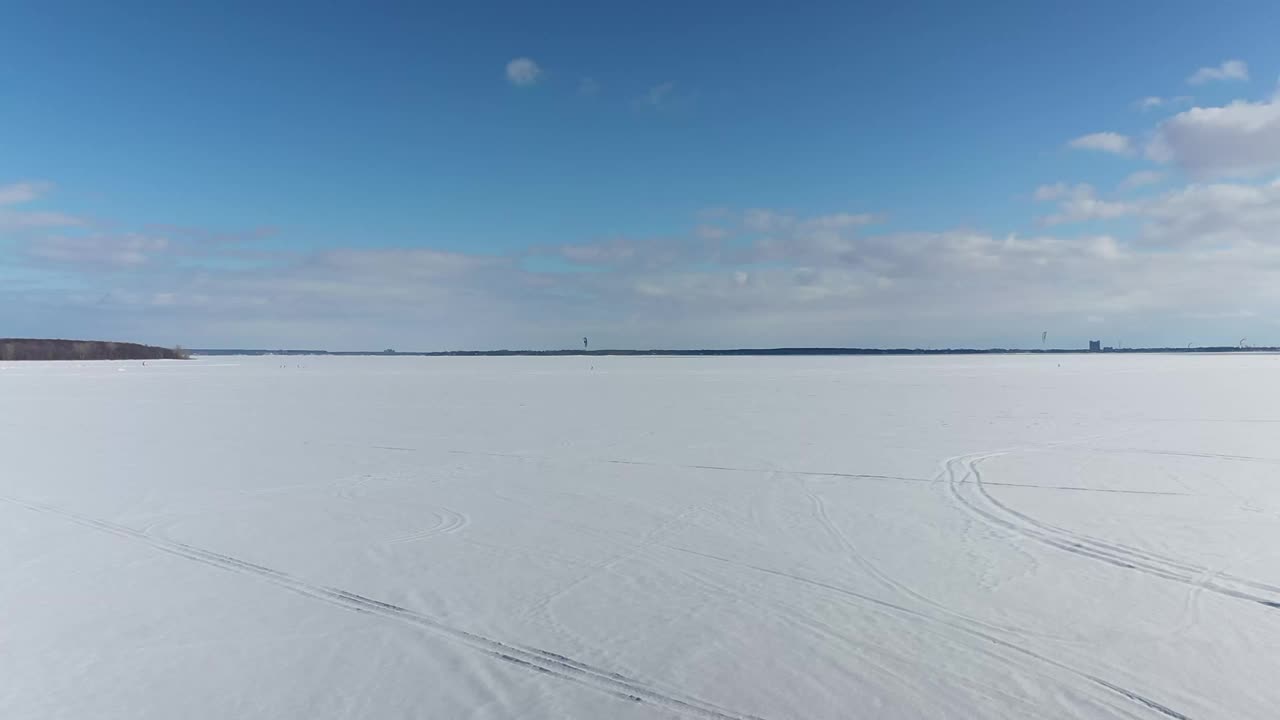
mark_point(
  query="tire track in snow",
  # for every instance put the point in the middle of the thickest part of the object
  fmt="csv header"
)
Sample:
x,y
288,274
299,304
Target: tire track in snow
x,y
533,659
998,514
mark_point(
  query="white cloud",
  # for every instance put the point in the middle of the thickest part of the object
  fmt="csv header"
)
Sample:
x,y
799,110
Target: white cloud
x,y
610,252
23,220
839,221
1206,253
119,251
1205,249
658,94
1079,203
1239,139
588,86
1142,178
523,71
711,232
1219,215
22,192
35,219
1228,70
760,220
1152,102
1105,142
1052,192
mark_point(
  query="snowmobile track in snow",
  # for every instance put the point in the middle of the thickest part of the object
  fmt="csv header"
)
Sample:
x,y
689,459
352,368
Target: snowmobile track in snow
x,y
531,658
996,513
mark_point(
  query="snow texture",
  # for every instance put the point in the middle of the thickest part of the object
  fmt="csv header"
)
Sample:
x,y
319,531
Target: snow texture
x,y
572,537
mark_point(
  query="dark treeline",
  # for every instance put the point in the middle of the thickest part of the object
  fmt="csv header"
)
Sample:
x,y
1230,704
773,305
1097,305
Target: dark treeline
x,y
35,349
741,352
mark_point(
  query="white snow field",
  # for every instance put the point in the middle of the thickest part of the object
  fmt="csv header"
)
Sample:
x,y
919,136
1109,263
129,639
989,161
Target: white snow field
x,y
858,537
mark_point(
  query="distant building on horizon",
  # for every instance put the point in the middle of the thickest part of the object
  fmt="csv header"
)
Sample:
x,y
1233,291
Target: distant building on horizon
x,y
1095,346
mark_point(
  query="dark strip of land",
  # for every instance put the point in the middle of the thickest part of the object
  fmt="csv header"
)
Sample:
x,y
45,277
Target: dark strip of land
x,y
45,349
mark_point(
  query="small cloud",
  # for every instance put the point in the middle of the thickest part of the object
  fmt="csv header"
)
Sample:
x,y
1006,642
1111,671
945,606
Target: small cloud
x,y
841,221
760,220
588,86
1052,192
711,232
22,192
523,72
1080,203
657,94
119,251
1229,70
1142,178
610,252
1152,102
33,219
1110,142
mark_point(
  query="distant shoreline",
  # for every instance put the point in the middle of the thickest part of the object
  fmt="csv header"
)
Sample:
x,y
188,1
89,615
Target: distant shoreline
x,y
743,352
21,349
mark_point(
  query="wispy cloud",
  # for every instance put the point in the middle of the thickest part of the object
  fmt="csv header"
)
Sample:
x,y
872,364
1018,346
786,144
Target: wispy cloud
x,y
22,192
1142,178
1079,203
657,95
1110,142
1203,249
523,72
35,219
588,86
19,193
1228,70
711,232
119,251
1151,102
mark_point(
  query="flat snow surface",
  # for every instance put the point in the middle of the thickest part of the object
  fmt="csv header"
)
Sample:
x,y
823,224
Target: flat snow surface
x,y
909,537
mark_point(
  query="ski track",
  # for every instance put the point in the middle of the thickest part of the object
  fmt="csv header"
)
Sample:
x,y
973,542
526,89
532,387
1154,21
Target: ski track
x,y
998,514
533,659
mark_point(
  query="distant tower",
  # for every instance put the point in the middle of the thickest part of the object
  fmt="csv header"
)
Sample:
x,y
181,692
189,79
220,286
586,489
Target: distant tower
x,y
1095,346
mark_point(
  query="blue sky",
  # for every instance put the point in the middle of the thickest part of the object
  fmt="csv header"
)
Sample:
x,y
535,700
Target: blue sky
x,y
662,174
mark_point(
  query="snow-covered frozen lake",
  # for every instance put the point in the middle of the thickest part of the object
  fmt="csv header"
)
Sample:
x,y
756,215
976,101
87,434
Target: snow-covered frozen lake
x,y
394,537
